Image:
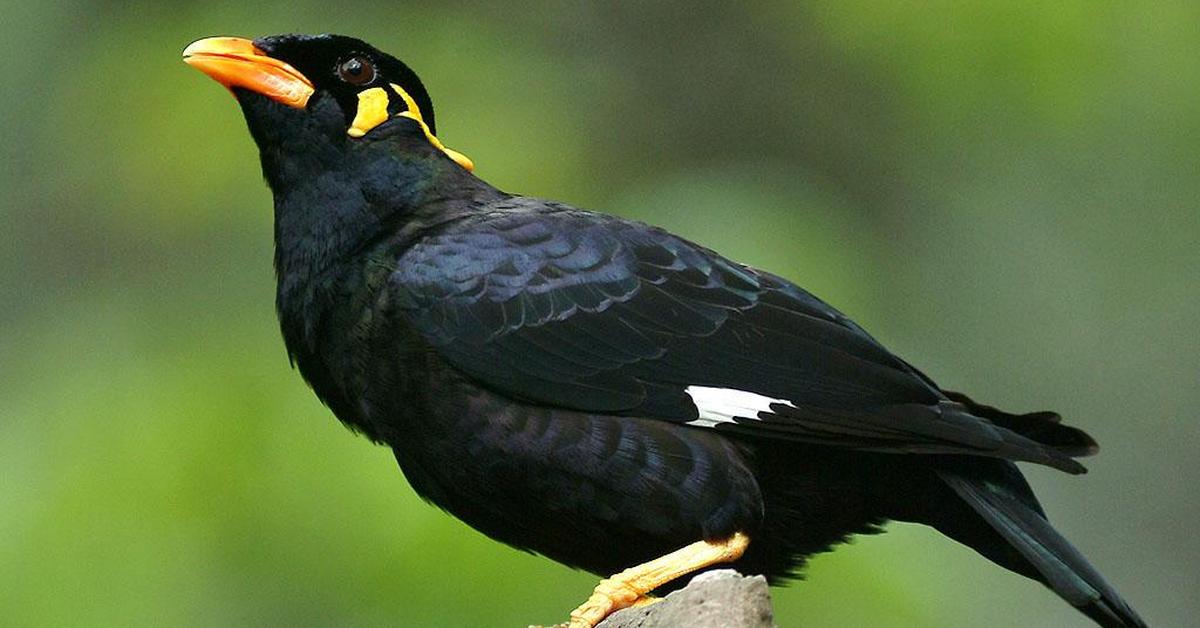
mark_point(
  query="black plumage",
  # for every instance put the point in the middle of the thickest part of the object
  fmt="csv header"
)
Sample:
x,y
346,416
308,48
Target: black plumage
x,y
601,391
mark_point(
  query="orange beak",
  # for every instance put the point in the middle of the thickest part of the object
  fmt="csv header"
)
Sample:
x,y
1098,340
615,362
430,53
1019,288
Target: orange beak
x,y
235,62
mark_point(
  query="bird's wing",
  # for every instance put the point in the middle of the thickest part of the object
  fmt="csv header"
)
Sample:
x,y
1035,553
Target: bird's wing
x,y
548,304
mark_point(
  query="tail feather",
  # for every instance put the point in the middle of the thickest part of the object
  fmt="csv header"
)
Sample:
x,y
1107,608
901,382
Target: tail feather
x,y
1010,509
1044,427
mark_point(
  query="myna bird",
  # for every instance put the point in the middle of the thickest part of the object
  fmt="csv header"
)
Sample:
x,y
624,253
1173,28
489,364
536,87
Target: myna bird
x,y
595,389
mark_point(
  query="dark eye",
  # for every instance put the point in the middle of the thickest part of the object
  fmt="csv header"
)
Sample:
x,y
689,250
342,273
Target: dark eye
x,y
356,70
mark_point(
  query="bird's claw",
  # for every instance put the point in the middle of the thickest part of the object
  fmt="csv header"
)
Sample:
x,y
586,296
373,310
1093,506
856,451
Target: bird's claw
x,y
608,597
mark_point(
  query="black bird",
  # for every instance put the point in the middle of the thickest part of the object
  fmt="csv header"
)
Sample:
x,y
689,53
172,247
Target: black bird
x,y
595,389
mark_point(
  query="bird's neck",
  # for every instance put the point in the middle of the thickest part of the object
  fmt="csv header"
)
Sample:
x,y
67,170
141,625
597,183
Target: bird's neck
x,y
381,196
330,205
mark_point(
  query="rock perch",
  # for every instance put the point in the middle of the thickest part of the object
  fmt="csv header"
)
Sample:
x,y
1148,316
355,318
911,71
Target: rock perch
x,y
716,599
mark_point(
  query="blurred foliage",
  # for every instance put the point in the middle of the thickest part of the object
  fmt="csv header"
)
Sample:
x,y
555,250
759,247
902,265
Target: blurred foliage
x,y
1004,193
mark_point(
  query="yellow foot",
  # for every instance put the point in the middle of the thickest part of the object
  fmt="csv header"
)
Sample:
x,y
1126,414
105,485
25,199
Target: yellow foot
x,y
609,597
645,600
630,587
601,605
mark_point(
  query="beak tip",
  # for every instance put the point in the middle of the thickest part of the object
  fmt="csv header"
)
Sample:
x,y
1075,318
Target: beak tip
x,y
197,46
237,62
221,45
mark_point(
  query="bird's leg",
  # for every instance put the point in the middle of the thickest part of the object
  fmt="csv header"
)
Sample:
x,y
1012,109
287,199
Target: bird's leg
x,y
630,587
645,600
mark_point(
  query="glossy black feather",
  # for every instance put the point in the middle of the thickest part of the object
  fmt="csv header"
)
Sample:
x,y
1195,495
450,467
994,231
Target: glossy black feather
x,y
1003,499
528,363
515,296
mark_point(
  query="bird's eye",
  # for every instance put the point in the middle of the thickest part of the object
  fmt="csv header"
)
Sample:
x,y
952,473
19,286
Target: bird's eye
x,y
356,70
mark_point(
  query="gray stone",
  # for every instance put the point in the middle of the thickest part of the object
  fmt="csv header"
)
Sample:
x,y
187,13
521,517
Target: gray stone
x,y
715,599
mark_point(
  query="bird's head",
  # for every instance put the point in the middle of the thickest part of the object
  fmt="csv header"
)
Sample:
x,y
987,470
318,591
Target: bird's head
x,y
300,91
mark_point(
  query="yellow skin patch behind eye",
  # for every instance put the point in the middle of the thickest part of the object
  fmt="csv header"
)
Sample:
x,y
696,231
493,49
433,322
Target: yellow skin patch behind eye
x,y
373,111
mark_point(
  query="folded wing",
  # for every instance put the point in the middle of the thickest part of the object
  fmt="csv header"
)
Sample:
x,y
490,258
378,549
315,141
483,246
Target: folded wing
x,y
553,305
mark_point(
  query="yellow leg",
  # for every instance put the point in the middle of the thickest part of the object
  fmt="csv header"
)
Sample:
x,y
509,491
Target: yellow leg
x,y
645,600
630,586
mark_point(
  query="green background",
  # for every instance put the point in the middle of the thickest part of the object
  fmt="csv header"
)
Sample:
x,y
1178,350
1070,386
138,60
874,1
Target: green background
x,y
1004,193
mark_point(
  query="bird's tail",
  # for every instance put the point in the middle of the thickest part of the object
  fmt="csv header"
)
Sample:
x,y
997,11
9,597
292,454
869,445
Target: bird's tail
x,y
1017,536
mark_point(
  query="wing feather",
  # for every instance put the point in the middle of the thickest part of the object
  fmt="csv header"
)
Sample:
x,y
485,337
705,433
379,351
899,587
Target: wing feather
x,y
595,313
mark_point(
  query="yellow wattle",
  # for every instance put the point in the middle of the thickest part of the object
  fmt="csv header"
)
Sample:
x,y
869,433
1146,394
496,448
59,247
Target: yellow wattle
x,y
373,111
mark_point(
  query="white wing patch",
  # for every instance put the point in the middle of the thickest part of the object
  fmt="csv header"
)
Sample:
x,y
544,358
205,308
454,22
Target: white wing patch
x,y
720,405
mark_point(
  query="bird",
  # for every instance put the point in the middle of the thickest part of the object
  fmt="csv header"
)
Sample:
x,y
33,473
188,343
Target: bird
x,y
598,390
